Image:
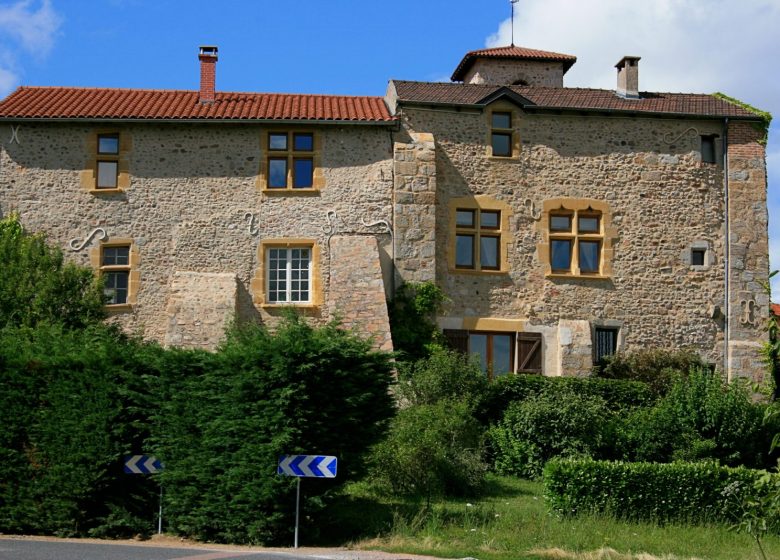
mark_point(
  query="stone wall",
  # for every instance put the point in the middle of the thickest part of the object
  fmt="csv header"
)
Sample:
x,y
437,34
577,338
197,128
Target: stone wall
x,y
200,307
507,72
192,204
663,201
358,291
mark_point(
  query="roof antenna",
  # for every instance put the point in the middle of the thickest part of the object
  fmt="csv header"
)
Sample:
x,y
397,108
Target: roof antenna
x,y
512,23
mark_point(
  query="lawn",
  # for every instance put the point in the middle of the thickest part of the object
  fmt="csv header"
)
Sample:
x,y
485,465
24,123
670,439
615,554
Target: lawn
x,y
511,522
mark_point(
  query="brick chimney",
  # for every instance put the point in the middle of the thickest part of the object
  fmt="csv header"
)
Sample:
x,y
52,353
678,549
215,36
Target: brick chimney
x,y
628,77
208,74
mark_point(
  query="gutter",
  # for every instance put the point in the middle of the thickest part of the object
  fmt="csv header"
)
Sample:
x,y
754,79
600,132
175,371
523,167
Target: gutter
x,y
394,123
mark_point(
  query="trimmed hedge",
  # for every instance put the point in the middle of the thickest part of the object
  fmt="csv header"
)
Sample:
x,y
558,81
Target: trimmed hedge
x,y
660,493
618,394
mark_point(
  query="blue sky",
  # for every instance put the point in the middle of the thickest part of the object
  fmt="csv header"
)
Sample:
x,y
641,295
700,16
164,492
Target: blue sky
x,y
354,47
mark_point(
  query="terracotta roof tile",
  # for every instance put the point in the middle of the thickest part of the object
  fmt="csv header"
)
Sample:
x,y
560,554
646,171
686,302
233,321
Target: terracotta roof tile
x,y
775,307
511,52
693,104
98,103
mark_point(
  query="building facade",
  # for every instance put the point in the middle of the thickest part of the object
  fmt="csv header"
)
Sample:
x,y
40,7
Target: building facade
x,y
563,224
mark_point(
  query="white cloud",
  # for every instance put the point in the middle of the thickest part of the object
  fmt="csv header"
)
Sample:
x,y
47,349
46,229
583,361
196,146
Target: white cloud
x,y
28,27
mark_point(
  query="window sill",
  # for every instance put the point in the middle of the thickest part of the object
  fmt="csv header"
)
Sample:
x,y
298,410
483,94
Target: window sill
x,y
507,159
479,272
291,192
578,276
284,305
118,308
106,191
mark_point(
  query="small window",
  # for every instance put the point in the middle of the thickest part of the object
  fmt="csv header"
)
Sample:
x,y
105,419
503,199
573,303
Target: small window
x,y
604,344
560,223
477,239
107,161
115,270
698,256
290,163
708,149
495,351
501,134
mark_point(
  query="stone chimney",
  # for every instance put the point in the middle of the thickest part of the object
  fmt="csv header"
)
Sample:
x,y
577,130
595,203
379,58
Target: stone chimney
x,y
208,74
628,77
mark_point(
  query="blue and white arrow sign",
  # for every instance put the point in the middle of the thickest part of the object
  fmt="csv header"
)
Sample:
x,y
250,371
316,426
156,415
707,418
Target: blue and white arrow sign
x,y
305,466
142,464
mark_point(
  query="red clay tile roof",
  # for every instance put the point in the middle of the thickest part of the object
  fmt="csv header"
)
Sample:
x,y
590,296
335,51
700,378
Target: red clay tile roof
x,y
98,103
694,104
513,52
775,307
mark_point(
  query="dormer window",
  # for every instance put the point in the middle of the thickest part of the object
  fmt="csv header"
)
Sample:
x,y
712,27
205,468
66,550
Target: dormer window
x,y
501,134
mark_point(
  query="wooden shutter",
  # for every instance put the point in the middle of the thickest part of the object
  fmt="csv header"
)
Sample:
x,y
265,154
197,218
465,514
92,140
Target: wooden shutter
x,y
457,339
529,352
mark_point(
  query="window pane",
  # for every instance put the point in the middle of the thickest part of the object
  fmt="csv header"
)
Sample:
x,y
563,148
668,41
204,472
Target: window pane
x,y
489,220
303,142
303,173
502,354
277,141
502,120
605,343
488,252
465,218
697,257
560,223
464,251
107,173
108,144
277,173
588,224
589,256
502,144
561,255
115,288
708,149
478,345
116,256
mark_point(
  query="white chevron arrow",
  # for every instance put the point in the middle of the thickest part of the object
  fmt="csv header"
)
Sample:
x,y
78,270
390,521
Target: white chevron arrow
x,y
304,466
132,464
149,464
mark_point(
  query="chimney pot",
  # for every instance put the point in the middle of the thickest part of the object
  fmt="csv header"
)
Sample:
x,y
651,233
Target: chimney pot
x,y
208,76
628,77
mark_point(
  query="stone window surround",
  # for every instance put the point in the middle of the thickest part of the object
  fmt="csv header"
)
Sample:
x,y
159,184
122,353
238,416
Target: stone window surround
x,y
318,178
575,206
515,114
96,260
258,282
686,255
480,202
89,175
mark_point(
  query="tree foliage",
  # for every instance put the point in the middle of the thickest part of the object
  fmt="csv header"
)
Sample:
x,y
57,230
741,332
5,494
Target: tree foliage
x,y
38,286
412,310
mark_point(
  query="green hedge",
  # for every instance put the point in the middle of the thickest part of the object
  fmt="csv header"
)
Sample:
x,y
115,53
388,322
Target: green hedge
x,y
618,394
660,493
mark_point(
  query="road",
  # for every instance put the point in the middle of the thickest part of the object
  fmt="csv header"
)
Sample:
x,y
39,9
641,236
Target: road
x,y
15,548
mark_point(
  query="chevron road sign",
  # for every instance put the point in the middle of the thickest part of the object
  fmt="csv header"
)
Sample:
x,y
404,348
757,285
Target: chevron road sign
x,y
308,466
142,464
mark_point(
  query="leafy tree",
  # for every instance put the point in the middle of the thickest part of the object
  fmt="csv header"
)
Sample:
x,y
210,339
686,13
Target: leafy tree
x,y
37,286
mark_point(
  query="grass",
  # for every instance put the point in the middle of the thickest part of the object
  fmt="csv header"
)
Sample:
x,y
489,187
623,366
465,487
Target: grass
x,y
511,522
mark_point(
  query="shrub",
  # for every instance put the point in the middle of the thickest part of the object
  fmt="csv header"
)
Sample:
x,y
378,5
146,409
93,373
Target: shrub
x,y
227,417
659,493
432,450
411,318
444,375
655,366
618,395
37,286
702,417
555,423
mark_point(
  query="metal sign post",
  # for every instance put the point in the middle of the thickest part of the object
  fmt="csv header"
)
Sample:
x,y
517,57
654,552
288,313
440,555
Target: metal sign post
x,y
146,464
306,466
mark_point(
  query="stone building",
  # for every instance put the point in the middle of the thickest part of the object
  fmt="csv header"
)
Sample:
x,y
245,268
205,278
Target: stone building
x,y
562,223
